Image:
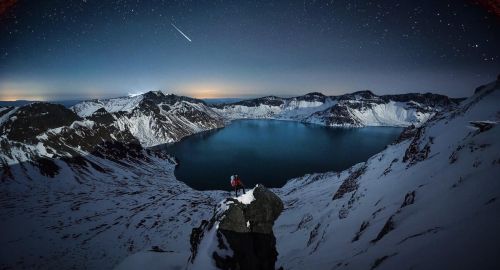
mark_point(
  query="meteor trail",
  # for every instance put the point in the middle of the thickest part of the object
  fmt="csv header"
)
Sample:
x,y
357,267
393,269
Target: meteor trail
x,y
181,32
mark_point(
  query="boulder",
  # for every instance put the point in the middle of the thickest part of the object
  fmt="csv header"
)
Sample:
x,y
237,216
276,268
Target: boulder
x,y
257,216
243,232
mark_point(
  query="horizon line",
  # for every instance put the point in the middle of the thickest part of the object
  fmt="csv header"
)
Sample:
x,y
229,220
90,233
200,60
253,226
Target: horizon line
x,y
209,98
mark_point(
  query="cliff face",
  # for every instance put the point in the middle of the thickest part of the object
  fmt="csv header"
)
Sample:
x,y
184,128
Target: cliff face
x,y
240,234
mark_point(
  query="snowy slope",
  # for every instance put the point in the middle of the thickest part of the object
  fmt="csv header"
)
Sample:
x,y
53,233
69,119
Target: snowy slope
x,y
126,104
430,202
92,216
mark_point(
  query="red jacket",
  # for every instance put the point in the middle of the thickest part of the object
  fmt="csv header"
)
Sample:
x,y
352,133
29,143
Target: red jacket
x,y
236,182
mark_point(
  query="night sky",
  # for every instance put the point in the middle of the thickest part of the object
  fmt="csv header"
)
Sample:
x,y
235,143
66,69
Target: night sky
x,y
93,48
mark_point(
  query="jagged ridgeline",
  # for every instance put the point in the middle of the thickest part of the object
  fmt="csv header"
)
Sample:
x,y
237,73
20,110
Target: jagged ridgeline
x,y
81,189
351,110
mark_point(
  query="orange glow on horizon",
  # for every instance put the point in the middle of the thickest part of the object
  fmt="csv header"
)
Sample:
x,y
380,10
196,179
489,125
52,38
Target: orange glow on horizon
x,y
201,92
12,95
215,90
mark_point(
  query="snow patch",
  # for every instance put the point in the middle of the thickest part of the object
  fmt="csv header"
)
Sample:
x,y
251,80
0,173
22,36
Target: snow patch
x,y
127,104
246,198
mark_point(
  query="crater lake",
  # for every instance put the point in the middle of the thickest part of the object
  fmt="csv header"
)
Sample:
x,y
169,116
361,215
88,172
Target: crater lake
x,y
272,151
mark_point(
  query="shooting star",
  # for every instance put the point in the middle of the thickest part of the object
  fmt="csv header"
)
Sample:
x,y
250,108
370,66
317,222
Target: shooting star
x,y
181,32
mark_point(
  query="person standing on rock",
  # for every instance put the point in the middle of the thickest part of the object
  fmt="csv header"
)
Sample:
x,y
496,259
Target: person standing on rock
x,y
237,184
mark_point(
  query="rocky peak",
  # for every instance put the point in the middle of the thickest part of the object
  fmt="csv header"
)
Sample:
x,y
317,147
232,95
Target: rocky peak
x,y
428,99
153,95
157,97
269,100
359,95
257,216
313,96
364,94
35,118
243,225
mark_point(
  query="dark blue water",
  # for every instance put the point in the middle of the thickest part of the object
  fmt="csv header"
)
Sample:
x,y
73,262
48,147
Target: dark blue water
x,y
271,152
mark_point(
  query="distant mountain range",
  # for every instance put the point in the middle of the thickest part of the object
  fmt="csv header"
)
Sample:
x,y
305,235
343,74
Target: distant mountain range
x,y
17,103
221,100
350,110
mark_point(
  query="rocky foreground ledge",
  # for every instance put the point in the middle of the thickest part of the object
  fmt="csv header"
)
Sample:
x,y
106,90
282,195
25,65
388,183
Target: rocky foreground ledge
x,y
239,235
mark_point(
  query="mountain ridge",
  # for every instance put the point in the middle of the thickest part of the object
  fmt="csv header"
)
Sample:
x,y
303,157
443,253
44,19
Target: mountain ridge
x,y
361,108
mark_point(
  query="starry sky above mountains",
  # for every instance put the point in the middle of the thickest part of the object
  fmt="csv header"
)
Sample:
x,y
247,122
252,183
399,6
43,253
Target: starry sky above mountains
x,y
63,49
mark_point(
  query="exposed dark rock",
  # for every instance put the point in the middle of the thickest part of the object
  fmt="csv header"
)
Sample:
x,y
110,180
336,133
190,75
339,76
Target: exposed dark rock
x,y
196,237
313,234
364,94
482,126
350,184
313,96
454,155
305,220
5,110
158,249
75,161
407,133
432,230
415,153
251,251
492,200
337,115
389,169
245,229
35,118
388,226
47,166
260,214
379,261
429,99
362,229
270,100
102,116
409,199
116,151
6,171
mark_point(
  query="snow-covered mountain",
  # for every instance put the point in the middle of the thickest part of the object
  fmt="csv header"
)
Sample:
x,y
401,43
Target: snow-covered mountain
x,y
154,118
45,130
78,190
354,110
